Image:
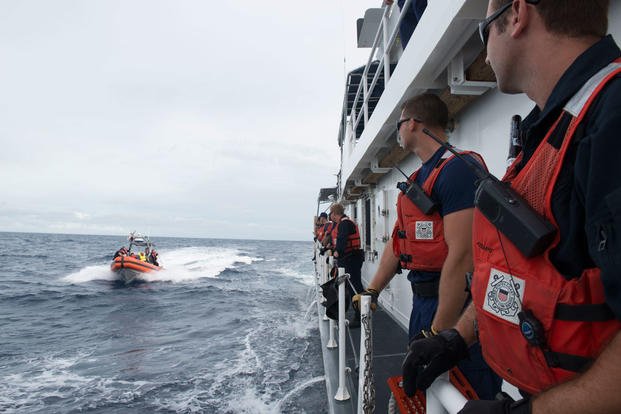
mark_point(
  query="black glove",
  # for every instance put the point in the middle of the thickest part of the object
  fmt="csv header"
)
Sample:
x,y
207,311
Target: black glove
x,y
497,407
355,301
429,357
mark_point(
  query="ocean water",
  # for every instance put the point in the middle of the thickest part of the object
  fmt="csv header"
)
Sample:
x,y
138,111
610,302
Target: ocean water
x,y
220,330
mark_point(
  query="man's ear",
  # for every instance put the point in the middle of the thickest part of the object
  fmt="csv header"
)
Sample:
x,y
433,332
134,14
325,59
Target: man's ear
x,y
520,18
412,126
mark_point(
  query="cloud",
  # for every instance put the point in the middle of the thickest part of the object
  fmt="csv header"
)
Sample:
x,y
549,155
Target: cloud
x,y
193,118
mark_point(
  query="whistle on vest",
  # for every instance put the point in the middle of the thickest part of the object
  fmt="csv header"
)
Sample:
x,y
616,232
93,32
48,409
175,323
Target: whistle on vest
x,y
417,195
532,329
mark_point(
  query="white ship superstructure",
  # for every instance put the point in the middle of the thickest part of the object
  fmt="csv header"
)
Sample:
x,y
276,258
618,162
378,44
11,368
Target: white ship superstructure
x,y
445,56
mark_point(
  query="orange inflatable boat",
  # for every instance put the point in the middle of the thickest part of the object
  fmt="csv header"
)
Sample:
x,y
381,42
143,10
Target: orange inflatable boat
x,y
130,268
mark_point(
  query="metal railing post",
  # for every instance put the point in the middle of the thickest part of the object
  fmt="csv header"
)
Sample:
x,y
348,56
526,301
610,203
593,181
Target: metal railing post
x,y
365,314
331,341
326,277
386,48
342,393
365,99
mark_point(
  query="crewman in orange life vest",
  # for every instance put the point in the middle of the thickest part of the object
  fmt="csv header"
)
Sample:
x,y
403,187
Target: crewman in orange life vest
x,y
434,243
347,251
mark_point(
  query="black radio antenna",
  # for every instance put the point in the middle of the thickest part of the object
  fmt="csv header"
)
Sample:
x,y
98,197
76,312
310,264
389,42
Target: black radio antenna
x,y
480,172
401,171
506,209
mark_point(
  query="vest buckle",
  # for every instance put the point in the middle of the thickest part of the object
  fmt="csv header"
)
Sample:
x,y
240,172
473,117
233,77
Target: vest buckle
x,y
401,234
405,258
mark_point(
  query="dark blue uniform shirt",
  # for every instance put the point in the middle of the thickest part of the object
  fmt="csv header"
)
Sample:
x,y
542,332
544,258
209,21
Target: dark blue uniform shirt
x,y
586,201
453,191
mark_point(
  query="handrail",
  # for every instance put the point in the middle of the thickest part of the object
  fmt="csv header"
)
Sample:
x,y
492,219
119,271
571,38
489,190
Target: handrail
x,y
342,393
442,397
384,63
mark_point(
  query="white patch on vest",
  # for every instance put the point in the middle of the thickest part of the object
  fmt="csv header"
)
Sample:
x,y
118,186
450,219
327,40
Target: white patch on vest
x,y
502,297
424,230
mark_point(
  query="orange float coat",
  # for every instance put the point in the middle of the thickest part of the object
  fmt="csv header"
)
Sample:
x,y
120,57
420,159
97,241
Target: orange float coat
x,y
418,238
353,240
575,321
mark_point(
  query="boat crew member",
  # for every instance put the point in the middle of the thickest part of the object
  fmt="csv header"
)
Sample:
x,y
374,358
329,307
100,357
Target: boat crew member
x,y
319,230
347,251
436,248
326,240
412,15
142,256
324,233
121,252
153,258
549,323
319,223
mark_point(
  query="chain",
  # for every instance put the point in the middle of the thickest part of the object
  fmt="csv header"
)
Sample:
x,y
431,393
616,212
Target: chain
x,y
369,382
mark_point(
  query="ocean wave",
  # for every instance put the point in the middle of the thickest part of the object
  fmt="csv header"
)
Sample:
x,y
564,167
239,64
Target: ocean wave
x,y
192,263
51,381
222,331
24,256
305,278
90,273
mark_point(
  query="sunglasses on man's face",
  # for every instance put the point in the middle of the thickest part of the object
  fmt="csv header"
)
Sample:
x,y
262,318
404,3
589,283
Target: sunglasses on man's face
x,y
404,120
485,23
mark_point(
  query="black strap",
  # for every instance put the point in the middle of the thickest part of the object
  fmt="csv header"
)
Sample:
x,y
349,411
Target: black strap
x,y
574,363
599,312
558,135
426,289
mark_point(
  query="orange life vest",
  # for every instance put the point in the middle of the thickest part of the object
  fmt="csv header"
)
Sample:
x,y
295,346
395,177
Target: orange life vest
x,y
575,322
353,240
418,238
319,232
325,230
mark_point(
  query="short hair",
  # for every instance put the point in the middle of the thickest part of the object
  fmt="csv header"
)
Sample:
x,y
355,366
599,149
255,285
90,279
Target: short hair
x,y
574,18
427,108
337,208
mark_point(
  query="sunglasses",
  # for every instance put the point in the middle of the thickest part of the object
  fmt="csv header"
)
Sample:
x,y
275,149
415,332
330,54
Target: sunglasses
x,y
404,120
485,23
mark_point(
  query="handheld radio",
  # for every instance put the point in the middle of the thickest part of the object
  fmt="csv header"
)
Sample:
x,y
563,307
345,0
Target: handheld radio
x,y
416,194
506,209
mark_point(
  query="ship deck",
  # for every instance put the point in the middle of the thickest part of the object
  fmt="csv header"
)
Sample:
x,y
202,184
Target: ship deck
x,y
389,345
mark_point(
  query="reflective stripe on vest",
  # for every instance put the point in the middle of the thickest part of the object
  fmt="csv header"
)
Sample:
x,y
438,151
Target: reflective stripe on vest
x,y
418,239
576,324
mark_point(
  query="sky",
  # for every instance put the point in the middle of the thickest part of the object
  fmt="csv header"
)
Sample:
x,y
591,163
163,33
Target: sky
x,y
189,118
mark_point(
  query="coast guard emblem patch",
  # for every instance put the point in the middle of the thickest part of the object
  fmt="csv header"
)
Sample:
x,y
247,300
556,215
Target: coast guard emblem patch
x,y
424,230
502,297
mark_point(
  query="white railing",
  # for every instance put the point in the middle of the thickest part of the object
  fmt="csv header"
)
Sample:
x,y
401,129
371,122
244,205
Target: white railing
x,y
442,397
342,393
364,89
